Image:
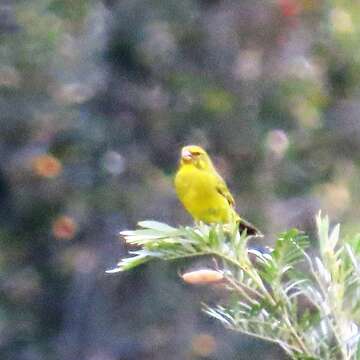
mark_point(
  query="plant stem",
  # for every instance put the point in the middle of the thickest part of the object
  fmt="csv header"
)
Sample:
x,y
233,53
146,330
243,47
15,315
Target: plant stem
x,y
333,311
240,289
296,335
248,288
255,278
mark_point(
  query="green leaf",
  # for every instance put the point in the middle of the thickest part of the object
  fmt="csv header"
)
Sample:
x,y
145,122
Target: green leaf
x,y
307,311
358,351
309,319
289,248
130,262
156,225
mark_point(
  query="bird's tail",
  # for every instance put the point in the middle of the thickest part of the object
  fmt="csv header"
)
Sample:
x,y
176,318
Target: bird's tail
x,y
250,228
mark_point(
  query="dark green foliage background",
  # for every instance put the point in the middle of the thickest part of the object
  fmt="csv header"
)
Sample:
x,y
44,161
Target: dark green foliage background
x,y
113,89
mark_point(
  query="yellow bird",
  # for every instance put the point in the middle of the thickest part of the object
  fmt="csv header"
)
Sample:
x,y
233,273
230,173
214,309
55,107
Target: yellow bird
x,y
204,193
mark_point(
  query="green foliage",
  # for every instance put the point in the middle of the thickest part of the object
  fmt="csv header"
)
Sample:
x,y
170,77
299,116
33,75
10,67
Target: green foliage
x,y
310,306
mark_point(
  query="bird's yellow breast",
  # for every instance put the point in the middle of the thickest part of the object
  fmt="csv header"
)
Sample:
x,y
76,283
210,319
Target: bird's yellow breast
x,y
197,190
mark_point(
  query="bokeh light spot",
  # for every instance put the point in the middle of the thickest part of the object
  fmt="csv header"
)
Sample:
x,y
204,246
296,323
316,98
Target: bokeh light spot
x,y
64,228
277,142
203,344
335,198
248,65
114,162
46,166
341,21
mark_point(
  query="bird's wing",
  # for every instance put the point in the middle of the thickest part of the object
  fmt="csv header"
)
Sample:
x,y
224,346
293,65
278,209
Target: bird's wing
x,y
223,190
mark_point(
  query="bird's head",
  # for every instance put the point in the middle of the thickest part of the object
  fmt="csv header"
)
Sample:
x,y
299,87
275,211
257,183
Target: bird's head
x,y
196,156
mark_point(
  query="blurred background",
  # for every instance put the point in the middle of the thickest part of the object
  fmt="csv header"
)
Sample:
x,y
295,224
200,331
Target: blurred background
x,y
96,100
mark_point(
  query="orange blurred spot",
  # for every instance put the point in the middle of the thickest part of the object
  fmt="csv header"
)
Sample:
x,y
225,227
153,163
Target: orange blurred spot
x,y
64,228
289,8
46,166
203,344
336,198
202,277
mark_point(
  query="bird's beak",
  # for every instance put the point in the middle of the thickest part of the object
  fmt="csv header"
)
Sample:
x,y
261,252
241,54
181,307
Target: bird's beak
x,y
186,155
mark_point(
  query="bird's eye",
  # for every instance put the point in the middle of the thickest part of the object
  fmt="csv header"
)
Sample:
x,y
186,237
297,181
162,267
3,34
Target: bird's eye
x,y
195,153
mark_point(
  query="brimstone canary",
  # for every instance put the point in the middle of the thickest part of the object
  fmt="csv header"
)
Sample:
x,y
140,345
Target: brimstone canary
x,y
204,193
